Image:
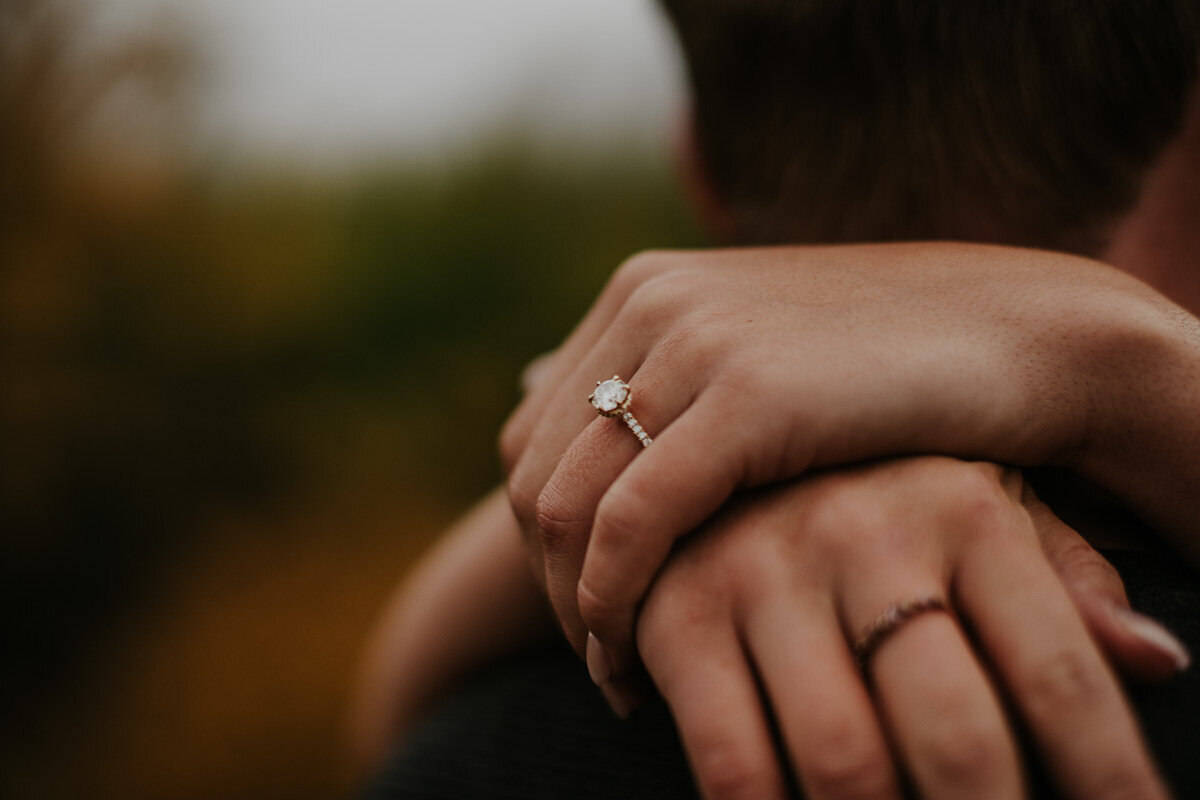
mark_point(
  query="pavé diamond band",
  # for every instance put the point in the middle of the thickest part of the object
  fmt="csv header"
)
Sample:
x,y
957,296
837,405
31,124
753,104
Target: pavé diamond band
x,y
611,399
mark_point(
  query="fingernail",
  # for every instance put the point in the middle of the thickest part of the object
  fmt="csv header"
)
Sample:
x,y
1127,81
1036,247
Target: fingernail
x,y
618,701
1154,634
598,663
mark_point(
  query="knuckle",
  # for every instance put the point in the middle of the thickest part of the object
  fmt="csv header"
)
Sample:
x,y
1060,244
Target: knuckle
x,y
985,517
980,504
641,267
845,765
556,523
662,628
1081,566
967,753
1069,678
728,773
699,340
679,609
660,298
685,601
743,383
836,521
749,581
686,345
617,518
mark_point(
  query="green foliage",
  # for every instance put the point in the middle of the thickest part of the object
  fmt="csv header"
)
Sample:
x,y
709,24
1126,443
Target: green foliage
x,y
179,349
345,337
283,347
450,288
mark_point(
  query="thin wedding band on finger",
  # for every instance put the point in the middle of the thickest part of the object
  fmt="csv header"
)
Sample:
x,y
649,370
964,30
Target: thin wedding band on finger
x,y
611,399
890,621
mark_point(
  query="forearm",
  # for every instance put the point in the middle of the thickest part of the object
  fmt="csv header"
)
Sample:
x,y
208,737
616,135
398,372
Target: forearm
x,y
1096,371
1143,443
471,600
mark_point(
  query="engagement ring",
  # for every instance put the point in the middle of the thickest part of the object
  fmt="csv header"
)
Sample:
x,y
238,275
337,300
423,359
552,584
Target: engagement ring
x,y
611,399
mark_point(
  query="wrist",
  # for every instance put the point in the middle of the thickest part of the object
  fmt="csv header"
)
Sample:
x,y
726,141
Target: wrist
x,y
1141,440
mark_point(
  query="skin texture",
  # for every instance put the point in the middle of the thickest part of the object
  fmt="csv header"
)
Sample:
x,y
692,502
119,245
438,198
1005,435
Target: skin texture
x,y
774,588
755,366
473,600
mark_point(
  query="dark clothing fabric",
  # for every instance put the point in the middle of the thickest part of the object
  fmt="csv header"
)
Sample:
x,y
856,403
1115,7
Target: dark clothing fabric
x,y
537,729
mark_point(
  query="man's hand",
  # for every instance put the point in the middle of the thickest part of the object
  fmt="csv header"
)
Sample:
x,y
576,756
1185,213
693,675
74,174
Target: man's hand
x,y
753,366
772,592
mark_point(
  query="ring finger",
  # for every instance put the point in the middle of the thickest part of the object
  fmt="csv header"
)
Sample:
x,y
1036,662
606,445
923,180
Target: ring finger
x,y
944,718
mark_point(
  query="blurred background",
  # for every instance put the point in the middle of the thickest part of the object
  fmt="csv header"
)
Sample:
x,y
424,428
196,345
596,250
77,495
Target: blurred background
x,y
268,272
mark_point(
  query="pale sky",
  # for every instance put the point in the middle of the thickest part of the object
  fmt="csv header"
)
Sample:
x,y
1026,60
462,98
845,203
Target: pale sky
x,y
340,80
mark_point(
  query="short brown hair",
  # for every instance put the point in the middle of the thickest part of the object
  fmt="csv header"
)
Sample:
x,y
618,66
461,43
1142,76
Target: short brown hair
x,y
1024,121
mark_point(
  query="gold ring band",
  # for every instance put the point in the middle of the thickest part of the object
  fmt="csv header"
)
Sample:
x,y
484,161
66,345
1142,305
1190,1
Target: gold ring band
x,y
611,398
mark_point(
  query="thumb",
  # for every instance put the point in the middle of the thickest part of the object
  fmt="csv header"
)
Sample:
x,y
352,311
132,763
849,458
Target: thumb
x,y
1135,644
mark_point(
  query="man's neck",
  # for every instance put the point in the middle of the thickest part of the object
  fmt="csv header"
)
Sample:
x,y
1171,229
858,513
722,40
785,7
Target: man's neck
x,y
1159,241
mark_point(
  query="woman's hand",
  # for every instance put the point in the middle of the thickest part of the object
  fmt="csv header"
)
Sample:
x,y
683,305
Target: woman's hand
x,y
752,366
771,593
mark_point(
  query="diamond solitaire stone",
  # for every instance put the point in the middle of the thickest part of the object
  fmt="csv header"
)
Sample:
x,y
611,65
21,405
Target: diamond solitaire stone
x,y
610,396
611,399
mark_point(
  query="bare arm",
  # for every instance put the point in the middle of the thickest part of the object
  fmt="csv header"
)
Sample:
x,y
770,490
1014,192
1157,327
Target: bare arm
x,y
471,600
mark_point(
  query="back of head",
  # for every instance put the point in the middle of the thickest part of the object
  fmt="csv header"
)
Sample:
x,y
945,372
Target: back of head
x,y
1019,121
